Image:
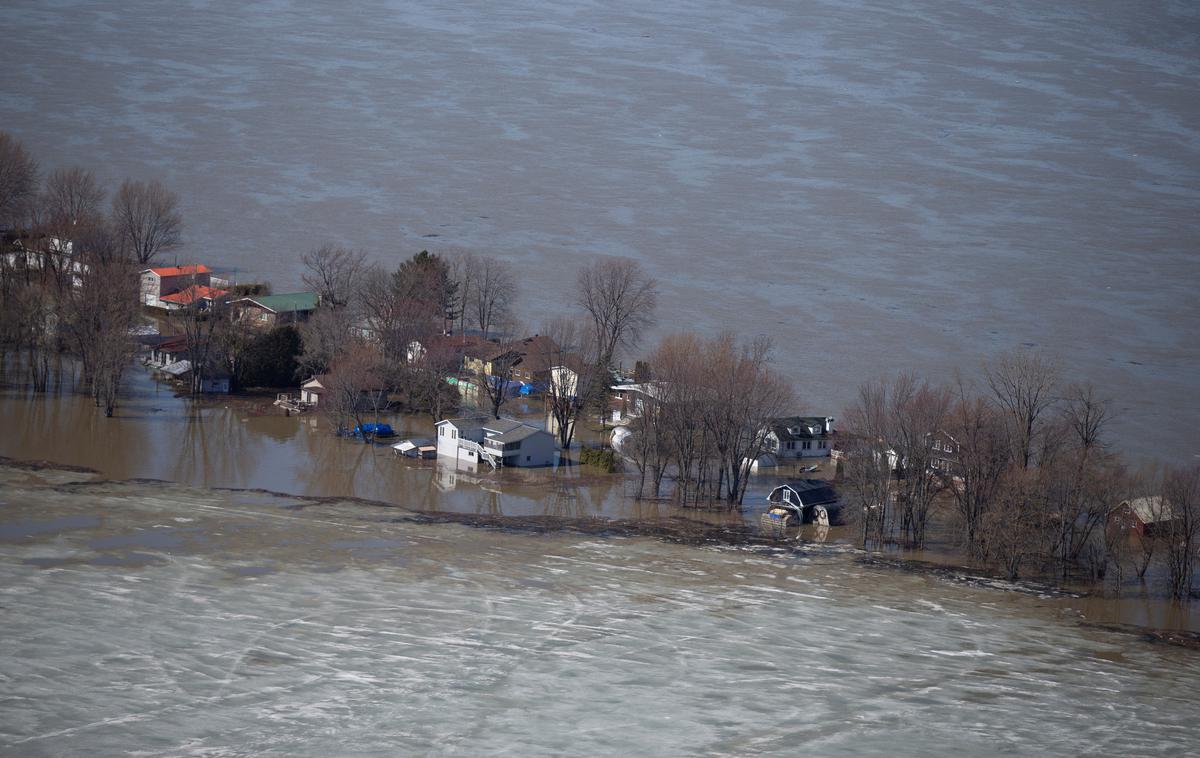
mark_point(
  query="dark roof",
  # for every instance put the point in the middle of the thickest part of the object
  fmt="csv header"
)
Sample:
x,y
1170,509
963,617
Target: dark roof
x,y
501,425
516,435
535,353
798,427
813,491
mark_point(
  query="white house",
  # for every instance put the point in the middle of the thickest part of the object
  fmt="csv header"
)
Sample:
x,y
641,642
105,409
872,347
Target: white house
x,y
168,280
564,382
630,400
799,437
311,390
499,442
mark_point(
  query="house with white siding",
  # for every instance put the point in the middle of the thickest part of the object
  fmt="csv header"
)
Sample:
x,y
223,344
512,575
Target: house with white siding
x,y
167,280
799,437
498,442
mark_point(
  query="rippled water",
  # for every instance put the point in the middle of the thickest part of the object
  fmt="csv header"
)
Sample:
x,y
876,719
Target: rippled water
x,y
879,185
187,622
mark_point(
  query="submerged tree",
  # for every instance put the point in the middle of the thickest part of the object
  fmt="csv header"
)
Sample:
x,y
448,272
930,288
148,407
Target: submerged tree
x,y
1181,542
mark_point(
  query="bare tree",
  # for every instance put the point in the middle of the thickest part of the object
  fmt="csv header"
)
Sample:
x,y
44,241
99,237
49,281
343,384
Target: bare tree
x,y
982,454
918,414
18,179
357,389
870,463
393,316
493,291
325,337
678,396
113,347
743,394
147,220
1082,490
1019,528
72,201
496,385
1023,385
426,379
198,322
619,298
335,273
1181,543
567,374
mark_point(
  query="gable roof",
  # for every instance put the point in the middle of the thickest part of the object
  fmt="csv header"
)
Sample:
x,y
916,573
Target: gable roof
x,y
180,270
194,293
1150,510
798,427
813,491
286,302
465,423
501,425
522,432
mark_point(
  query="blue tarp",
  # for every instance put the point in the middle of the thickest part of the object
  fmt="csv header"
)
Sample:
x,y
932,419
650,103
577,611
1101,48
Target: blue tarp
x,y
377,430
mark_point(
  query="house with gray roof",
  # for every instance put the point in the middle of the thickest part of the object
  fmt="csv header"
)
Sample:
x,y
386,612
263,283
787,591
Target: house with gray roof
x,y
498,442
799,437
269,311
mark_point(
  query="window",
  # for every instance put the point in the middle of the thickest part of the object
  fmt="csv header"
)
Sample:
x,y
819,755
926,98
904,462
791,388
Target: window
x,y
528,459
791,445
807,445
442,432
822,445
453,434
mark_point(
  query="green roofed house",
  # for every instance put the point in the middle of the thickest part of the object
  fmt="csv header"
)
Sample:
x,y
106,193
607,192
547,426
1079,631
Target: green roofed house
x,y
275,310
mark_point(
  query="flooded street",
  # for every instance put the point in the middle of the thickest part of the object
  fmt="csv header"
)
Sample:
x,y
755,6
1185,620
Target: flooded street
x,y
877,185
156,619
247,444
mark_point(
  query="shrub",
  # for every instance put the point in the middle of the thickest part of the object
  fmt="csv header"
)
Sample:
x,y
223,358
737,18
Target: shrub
x,y
600,458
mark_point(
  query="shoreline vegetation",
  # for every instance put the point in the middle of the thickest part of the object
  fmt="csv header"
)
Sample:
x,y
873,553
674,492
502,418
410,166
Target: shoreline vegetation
x,y
1019,462
678,530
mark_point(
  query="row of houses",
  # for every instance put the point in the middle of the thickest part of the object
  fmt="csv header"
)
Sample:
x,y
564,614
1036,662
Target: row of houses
x,y
170,288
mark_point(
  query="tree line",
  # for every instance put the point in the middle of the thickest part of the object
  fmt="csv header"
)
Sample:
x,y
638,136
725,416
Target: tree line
x,y
1020,468
81,296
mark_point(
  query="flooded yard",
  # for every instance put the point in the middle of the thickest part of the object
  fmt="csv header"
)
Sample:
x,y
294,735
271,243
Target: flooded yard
x,y
167,620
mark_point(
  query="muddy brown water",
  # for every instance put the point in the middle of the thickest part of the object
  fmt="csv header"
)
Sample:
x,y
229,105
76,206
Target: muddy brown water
x,y
155,618
244,444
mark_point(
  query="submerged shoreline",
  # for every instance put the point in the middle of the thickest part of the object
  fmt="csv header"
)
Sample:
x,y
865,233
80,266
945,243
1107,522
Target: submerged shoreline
x,y
676,530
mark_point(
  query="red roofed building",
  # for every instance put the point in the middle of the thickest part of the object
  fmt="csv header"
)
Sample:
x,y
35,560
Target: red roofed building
x,y
157,282
197,293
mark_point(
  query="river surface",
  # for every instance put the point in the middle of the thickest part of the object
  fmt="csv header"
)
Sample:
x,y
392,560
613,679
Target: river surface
x,y
154,619
878,185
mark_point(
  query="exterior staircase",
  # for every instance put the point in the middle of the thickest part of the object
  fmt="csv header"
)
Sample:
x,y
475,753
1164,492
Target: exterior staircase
x,y
482,452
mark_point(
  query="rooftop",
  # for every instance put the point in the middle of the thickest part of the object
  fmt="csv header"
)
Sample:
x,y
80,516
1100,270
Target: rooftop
x,y
799,427
286,302
194,293
180,270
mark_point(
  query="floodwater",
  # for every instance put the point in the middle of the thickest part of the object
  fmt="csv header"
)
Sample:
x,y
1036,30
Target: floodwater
x,y
879,185
247,444
154,619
